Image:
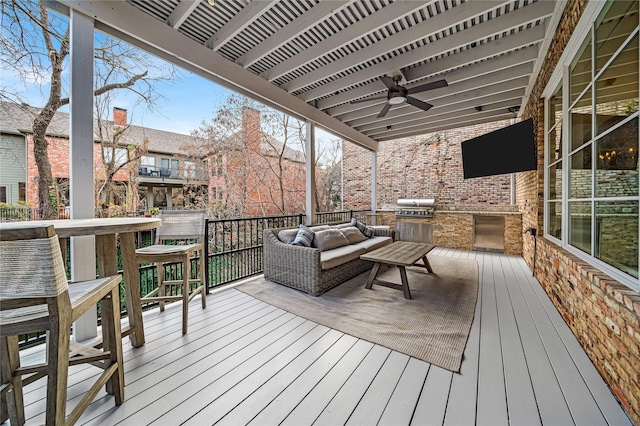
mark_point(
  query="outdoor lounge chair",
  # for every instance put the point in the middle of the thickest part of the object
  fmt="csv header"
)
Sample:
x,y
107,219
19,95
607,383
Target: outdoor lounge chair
x,y
179,238
35,297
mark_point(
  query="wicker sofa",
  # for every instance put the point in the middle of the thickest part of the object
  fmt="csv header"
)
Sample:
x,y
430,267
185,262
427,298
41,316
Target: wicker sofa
x,y
314,271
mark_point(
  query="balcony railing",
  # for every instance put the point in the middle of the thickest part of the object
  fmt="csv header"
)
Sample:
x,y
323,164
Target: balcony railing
x,y
234,252
198,173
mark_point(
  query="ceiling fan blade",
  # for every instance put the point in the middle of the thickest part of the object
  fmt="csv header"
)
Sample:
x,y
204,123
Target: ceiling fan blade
x,y
389,82
429,86
385,110
357,101
418,103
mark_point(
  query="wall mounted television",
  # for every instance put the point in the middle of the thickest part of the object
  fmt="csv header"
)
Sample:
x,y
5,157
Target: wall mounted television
x,y
508,150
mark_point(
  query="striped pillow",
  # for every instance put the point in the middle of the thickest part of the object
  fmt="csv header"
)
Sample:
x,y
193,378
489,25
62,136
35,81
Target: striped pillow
x,y
304,237
366,231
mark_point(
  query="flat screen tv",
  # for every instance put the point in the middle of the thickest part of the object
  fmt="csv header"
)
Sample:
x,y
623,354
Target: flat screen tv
x,y
508,150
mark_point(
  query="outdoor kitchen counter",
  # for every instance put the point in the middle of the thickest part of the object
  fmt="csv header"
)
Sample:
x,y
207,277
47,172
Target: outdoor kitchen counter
x,y
453,226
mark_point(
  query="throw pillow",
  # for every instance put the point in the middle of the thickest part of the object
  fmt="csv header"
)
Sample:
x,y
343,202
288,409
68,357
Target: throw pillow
x,y
366,231
353,234
287,236
304,237
329,239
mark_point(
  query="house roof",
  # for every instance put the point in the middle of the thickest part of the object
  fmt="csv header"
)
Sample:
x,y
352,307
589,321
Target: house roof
x,y
312,58
18,119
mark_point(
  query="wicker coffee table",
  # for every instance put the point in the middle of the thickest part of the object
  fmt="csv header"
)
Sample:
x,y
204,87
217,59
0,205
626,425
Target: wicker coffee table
x,y
400,254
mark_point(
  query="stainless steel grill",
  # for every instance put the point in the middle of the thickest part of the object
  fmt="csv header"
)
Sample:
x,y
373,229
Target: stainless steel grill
x,y
414,207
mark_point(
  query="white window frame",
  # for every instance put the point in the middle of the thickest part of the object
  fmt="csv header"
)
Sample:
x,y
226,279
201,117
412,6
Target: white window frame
x,y
561,76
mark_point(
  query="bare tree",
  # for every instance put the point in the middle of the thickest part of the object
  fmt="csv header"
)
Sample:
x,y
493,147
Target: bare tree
x,y
263,173
35,47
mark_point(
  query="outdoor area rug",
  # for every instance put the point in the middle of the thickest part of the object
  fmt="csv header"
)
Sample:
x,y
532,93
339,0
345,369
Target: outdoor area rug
x,y
433,326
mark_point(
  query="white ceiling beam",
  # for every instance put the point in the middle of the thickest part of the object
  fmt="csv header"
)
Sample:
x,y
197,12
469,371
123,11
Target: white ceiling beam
x,y
239,22
446,125
488,28
467,98
466,114
506,80
302,23
466,57
498,69
492,65
373,22
453,107
182,12
441,22
129,24
522,40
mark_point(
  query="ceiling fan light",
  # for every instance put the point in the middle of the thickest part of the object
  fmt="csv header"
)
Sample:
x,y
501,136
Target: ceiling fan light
x,y
397,100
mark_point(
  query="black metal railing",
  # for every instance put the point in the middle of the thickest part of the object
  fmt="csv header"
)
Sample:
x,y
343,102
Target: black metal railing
x,y
233,252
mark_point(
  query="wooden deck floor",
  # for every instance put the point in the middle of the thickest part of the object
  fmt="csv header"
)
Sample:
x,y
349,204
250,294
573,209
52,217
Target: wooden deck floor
x,y
247,362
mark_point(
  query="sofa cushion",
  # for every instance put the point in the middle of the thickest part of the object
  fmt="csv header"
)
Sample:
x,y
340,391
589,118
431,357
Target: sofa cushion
x,y
304,237
287,236
353,234
329,239
366,231
332,258
319,228
374,243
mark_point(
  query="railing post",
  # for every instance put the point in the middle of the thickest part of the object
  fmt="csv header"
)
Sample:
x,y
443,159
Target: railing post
x,y
205,254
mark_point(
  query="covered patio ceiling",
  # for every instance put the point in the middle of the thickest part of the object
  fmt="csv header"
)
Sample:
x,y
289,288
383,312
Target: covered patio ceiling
x,y
312,58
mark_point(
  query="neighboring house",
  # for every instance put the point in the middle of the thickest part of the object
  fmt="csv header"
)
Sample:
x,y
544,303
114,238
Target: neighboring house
x,y
159,178
176,170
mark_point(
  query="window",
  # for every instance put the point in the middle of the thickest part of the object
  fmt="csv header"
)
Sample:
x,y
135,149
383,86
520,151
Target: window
x,y
3,194
591,148
121,154
189,171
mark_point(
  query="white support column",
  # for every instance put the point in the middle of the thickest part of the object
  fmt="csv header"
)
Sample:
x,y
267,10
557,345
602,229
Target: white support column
x,y
310,150
81,186
374,178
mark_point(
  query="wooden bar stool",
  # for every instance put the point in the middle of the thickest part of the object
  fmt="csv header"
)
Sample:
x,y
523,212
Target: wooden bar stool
x,y
35,296
179,238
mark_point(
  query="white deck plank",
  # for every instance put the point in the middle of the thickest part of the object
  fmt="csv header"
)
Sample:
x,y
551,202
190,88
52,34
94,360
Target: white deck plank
x,y
347,398
316,391
221,396
521,401
432,405
401,406
548,393
492,405
374,401
290,384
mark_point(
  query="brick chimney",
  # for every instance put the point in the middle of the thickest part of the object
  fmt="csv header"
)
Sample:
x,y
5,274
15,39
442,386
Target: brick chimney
x,y
119,116
251,127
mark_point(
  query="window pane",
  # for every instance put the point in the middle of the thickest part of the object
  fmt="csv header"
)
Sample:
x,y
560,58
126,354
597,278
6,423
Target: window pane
x,y
619,20
581,121
555,219
148,160
617,235
617,163
580,225
581,70
555,181
555,107
555,143
617,88
580,175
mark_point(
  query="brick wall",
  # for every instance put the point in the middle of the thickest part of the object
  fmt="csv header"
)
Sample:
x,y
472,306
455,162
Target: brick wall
x,y
427,166
602,313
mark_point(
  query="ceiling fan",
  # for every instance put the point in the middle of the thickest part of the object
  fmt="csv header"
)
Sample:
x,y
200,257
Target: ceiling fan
x,y
397,94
